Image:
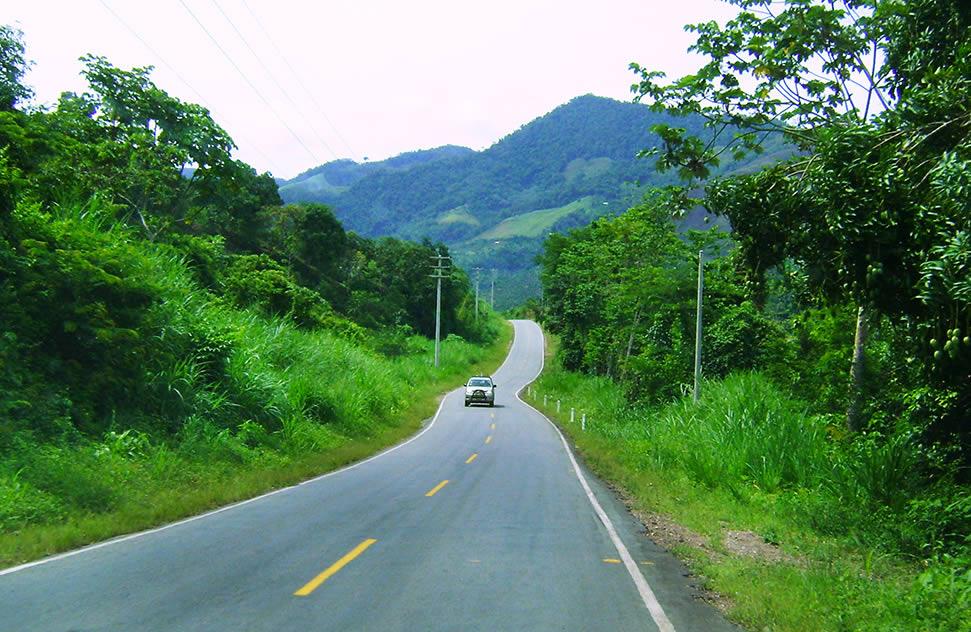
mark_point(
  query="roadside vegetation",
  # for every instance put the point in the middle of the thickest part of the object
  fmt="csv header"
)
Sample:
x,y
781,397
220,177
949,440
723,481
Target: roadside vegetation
x,y
840,537
172,338
833,424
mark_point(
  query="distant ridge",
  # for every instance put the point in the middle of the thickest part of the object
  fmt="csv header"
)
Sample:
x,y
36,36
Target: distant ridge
x,y
338,175
494,207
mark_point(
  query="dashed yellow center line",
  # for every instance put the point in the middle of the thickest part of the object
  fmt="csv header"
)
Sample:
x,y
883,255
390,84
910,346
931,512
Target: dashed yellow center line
x,y
493,426
471,458
489,439
435,490
611,560
312,585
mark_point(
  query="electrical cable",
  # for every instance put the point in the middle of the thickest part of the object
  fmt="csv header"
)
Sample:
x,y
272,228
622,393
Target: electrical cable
x,y
250,83
296,75
178,76
269,73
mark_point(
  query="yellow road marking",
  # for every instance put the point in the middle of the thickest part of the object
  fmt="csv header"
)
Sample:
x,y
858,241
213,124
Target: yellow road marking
x,y
336,566
493,426
471,458
434,490
489,439
493,415
611,560
647,563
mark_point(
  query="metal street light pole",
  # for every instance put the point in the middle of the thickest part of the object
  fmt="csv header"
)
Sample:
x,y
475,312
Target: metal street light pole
x,y
701,286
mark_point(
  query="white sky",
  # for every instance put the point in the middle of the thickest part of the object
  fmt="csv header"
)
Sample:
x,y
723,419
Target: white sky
x,y
385,76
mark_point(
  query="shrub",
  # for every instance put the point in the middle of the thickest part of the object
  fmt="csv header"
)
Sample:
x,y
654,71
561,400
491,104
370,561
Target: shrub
x,y
941,596
21,504
72,476
205,256
742,339
258,280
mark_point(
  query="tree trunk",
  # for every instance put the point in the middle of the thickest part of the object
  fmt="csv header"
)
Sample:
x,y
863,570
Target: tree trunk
x,y
857,369
630,342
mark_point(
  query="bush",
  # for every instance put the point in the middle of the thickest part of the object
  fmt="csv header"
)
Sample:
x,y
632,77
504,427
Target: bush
x,y
80,295
941,596
742,339
259,281
205,256
74,477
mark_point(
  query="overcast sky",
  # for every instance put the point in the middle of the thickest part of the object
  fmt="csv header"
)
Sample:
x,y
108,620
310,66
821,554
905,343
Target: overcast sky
x,y
373,78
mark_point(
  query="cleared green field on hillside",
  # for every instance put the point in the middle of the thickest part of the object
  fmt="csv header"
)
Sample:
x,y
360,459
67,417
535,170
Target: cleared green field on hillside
x,y
535,223
458,215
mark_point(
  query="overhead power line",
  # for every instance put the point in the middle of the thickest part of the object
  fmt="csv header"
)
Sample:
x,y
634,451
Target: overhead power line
x,y
299,80
269,161
250,83
269,73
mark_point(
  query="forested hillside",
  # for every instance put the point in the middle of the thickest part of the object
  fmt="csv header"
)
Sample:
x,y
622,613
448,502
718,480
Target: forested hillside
x,y
329,180
171,335
835,412
493,207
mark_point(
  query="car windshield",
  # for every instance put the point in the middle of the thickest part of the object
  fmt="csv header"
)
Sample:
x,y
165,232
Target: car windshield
x,y
479,382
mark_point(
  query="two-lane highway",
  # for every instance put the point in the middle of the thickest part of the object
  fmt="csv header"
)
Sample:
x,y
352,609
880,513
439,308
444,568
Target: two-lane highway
x,y
483,521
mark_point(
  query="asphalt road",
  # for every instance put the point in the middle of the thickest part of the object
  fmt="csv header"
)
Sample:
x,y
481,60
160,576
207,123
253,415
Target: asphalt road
x,y
483,521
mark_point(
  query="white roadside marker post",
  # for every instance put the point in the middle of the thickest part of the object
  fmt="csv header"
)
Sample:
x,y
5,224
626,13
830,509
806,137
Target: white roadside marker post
x,y
571,415
583,422
557,406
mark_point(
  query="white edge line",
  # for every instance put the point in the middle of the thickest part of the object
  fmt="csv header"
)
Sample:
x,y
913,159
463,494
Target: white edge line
x,y
132,536
647,595
138,534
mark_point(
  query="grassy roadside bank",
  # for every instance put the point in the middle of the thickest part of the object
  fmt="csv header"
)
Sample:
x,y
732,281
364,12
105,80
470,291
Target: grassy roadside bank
x,y
746,504
59,497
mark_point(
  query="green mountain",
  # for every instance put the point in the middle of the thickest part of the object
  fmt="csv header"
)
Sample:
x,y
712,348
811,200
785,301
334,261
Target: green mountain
x,y
494,207
334,178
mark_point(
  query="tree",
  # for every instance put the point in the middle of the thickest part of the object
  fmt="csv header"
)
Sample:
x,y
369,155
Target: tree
x,y
778,67
13,65
148,150
875,93
321,250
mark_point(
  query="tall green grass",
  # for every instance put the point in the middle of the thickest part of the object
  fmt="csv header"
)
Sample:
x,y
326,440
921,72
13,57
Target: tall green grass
x,y
749,457
224,403
316,402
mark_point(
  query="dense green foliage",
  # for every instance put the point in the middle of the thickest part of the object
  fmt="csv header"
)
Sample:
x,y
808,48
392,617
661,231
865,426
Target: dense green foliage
x,y
580,162
752,459
162,315
853,254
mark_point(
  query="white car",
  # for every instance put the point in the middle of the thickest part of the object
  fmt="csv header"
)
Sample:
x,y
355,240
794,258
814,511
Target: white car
x,y
480,390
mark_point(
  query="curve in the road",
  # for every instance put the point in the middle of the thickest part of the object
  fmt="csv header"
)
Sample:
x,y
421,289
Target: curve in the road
x,y
482,521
